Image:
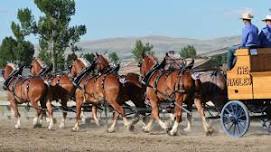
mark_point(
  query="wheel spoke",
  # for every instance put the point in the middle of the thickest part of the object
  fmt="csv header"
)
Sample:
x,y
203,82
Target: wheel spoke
x,y
243,114
227,110
242,124
238,128
234,129
238,111
230,127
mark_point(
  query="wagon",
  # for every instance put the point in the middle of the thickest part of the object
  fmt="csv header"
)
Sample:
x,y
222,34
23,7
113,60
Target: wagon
x,y
249,91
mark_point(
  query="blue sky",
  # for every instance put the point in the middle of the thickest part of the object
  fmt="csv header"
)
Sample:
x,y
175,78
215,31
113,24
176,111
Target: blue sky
x,y
200,19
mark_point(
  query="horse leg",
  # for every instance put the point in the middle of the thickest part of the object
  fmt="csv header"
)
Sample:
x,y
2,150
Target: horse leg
x,y
50,114
16,113
119,109
94,115
36,120
79,102
64,114
189,117
155,115
178,115
207,128
113,125
83,116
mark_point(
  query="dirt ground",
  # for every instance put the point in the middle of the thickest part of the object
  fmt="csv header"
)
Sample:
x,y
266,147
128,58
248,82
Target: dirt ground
x,y
93,138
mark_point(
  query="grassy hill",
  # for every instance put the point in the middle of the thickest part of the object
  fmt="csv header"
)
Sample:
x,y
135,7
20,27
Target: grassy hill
x,y
123,46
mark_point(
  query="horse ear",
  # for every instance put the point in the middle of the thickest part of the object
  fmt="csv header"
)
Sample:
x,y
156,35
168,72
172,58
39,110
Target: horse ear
x,y
75,57
96,54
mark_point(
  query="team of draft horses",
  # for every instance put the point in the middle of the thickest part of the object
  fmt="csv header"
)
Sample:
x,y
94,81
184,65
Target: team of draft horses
x,y
97,82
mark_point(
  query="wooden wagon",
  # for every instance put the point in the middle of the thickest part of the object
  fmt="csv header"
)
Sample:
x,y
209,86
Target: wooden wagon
x,y
249,90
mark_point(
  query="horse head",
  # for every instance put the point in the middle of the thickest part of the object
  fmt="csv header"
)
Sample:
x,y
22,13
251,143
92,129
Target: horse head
x,y
77,66
9,69
101,63
147,63
36,66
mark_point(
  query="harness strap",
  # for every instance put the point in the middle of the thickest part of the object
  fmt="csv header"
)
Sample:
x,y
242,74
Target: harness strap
x,y
157,80
103,82
179,87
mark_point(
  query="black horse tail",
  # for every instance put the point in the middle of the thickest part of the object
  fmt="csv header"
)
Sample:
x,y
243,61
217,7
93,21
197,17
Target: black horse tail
x,y
44,96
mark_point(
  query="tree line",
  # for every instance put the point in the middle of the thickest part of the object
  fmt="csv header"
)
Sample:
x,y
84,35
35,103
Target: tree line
x,y
56,36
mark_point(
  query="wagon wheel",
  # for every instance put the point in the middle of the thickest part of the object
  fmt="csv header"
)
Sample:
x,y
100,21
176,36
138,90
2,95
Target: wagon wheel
x,y
235,119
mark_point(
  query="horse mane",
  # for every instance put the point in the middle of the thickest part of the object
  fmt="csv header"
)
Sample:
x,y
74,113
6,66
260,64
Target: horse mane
x,y
103,58
84,61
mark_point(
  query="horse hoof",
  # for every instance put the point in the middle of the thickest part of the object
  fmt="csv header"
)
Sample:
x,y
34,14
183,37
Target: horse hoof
x,y
146,130
170,133
37,126
131,128
110,130
17,126
75,129
168,129
210,131
50,128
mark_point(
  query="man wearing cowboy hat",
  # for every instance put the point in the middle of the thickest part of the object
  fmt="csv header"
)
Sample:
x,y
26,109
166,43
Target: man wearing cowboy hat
x,y
249,38
265,35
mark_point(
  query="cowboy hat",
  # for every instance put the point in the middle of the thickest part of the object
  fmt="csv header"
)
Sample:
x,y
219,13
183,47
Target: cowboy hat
x,y
267,18
246,16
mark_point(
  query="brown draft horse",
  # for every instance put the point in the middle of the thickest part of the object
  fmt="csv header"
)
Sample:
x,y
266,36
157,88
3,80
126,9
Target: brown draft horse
x,y
177,85
107,87
26,90
61,86
213,88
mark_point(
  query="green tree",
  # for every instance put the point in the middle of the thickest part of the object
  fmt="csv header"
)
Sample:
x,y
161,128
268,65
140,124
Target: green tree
x,y
53,29
188,52
70,59
89,57
220,59
17,50
7,51
141,49
114,57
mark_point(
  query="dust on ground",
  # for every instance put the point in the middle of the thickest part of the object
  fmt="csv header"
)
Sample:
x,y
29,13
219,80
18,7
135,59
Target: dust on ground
x,y
94,138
